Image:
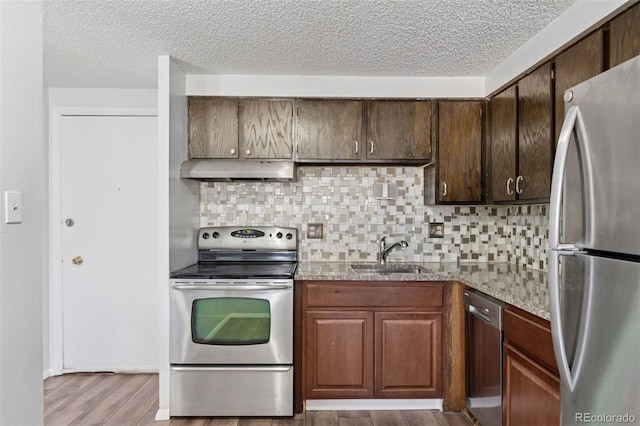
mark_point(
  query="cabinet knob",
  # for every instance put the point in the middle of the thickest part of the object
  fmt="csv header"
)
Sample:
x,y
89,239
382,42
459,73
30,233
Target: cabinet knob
x,y
518,180
371,149
444,189
356,141
509,183
248,152
232,151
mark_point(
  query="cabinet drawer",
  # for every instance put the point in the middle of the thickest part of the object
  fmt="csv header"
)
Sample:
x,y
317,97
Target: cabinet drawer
x,y
530,334
370,294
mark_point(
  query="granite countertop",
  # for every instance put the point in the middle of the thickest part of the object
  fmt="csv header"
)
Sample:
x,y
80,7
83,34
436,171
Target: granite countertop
x,y
526,289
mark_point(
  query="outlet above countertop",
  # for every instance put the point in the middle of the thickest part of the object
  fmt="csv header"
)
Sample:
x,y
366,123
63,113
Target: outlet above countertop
x,y
526,289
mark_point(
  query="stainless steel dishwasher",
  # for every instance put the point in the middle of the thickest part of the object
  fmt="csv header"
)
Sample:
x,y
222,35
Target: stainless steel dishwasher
x,y
483,322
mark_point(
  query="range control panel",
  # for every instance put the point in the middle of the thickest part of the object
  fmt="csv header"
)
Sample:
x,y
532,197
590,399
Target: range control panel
x,y
249,238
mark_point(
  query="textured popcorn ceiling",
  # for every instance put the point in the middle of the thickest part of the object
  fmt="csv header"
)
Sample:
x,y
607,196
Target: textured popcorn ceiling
x,y
107,43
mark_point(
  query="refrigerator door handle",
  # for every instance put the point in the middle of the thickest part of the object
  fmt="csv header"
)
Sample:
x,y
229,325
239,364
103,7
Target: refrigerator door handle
x,y
573,120
557,184
557,180
556,322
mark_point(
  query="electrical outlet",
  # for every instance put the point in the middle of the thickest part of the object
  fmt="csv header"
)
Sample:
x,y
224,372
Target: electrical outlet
x,y
314,230
436,230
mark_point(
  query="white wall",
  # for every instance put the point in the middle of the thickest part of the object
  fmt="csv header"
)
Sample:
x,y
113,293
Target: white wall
x,y
178,203
335,86
23,247
102,98
580,18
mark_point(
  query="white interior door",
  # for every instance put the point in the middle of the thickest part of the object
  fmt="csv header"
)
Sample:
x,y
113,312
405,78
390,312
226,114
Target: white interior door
x,y
108,194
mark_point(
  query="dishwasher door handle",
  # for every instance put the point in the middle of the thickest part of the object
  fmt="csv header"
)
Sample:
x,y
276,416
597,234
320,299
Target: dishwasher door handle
x,y
478,313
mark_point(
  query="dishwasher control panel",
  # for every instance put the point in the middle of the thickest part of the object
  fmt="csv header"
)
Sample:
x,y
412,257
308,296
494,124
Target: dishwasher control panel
x,y
485,307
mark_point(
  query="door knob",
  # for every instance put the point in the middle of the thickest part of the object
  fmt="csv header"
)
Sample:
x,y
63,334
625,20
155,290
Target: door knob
x,y
77,260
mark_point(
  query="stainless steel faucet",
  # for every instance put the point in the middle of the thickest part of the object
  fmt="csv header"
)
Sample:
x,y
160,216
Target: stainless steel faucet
x,y
384,251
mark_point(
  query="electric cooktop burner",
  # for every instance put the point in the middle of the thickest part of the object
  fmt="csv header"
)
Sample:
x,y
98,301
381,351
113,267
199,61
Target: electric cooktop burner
x,y
258,270
244,253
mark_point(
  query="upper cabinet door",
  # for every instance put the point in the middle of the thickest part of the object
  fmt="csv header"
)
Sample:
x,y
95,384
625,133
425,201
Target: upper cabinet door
x,y
213,128
580,62
398,130
460,151
329,130
624,36
266,128
535,118
503,112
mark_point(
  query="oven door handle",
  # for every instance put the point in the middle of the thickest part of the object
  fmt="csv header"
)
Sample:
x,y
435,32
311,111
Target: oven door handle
x,y
275,368
232,287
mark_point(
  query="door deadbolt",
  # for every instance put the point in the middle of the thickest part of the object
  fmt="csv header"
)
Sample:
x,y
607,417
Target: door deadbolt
x,y
77,260
69,222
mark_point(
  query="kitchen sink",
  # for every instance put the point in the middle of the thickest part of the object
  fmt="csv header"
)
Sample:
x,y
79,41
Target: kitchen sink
x,y
375,268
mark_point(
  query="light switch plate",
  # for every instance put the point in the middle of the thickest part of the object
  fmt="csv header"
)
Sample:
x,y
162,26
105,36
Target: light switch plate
x,y
12,207
314,230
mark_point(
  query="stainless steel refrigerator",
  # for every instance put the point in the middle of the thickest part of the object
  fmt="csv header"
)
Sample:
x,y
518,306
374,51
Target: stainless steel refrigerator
x,y
594,250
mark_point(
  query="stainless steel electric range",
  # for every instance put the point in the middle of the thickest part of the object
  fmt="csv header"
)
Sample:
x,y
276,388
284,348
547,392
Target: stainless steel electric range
x,y
231,333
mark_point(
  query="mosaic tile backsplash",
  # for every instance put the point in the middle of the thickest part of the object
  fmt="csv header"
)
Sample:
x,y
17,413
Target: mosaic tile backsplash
x,y
354,218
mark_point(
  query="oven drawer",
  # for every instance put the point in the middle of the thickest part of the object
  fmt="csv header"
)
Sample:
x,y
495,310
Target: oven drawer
x,y
231,391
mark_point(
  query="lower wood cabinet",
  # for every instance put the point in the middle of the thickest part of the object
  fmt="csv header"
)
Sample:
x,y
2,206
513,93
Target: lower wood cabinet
x,y
366,340
408,347
531,394
339,354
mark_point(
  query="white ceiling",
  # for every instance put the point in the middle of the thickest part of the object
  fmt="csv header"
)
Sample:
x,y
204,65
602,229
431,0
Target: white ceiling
x,y
115,43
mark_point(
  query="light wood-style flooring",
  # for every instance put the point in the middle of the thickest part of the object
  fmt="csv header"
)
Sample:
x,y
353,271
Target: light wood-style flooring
x,y
132,399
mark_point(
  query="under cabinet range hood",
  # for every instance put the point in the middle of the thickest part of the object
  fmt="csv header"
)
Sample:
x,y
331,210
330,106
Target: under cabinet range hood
x,y
232,170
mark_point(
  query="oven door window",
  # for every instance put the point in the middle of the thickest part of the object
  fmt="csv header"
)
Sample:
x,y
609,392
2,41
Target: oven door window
x,y
230,321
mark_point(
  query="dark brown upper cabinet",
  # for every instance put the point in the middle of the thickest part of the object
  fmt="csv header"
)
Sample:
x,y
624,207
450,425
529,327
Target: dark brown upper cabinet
x,y
329,130
503,116
624,36
398,130
232,128
578,63
460,128
266,128
213,128
535,129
